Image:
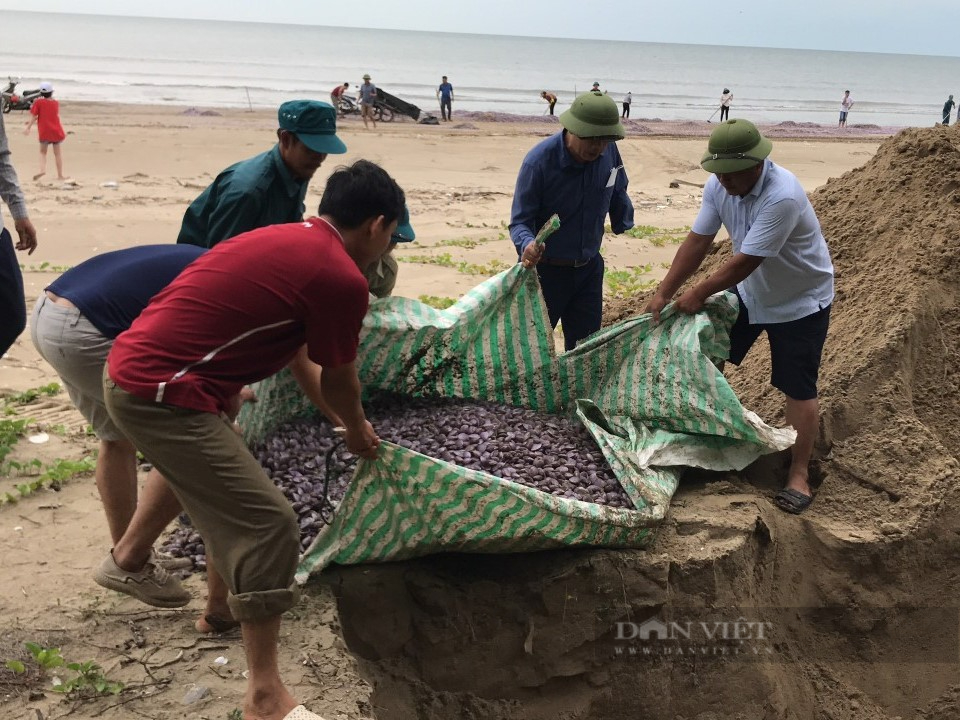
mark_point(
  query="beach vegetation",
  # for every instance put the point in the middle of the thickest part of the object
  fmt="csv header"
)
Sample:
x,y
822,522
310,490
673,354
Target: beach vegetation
x,y
10,432
624,283
440,303
467,268
88,681
28,396
52,476
44,267
464,242
656,236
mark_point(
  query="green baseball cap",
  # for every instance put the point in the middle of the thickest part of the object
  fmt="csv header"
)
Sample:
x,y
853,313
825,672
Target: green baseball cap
x,y
404,231
593,115
314,122
735,145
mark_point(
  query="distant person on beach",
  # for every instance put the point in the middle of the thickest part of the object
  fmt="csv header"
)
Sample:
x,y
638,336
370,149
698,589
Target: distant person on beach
x,y
337,93
236,315
268,188
368,98
13,307
550,98
445,95
780,271
726,98
947,107
627,100
845,104
579,175
45,111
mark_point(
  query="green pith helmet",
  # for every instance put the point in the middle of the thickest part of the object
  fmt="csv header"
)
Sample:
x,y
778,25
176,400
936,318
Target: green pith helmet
x,y
593,115
735,145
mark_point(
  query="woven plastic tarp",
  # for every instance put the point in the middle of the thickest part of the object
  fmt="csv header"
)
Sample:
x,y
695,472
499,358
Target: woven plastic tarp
x,y
651,396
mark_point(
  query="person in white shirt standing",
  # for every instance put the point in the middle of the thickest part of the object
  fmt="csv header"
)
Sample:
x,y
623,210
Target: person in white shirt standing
x,y
845,104
780,270
725,99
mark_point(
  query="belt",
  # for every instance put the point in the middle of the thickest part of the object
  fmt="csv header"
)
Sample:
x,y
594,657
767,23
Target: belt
x,y
565,262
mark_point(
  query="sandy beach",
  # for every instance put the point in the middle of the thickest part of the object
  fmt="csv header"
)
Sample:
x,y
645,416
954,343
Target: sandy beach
x,y
132,171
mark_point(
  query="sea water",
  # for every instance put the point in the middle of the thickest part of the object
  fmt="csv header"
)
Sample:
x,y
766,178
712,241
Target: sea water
x,y
240,64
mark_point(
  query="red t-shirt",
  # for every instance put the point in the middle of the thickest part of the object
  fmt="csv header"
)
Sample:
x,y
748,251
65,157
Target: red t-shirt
x,y
47,112
337,91
240,312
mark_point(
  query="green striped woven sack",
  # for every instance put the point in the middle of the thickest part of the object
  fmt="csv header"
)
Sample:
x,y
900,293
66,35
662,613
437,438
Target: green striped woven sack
x,y
651,396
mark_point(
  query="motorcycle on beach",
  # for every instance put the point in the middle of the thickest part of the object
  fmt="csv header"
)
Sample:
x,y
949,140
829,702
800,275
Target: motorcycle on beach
x,y
348,106
10,100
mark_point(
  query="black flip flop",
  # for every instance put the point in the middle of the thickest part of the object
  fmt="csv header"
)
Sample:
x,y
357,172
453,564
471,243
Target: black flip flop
x,y
792,501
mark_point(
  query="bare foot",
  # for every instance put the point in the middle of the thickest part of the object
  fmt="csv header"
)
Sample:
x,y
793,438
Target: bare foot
x,y
39,175
274,705
218,623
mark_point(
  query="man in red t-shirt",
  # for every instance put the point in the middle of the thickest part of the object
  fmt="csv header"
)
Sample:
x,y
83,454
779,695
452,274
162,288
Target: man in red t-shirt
x,y
238,314
337,93
45,111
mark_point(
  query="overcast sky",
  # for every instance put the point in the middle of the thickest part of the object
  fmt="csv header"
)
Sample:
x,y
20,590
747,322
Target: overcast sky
x,y
928,27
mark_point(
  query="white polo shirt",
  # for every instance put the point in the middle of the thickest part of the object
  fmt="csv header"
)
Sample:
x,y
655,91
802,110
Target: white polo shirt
x,y
775,221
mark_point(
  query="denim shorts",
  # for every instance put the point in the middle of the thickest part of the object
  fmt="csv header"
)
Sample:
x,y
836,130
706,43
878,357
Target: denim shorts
x,y
795,349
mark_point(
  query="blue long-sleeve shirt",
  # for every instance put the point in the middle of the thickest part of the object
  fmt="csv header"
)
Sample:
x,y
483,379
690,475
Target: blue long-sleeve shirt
x,y
550,181
9,184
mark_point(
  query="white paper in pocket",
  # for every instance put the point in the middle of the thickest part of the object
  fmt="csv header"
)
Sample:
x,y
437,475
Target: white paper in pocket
x,y
613,176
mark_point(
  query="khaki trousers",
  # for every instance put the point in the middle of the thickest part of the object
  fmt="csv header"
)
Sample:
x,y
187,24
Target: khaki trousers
x,y
246,522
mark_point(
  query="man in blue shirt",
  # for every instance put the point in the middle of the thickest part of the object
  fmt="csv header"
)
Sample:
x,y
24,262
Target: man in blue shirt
x,y
74,323
445,93
13,310
780,270
577,174
267,189
368,99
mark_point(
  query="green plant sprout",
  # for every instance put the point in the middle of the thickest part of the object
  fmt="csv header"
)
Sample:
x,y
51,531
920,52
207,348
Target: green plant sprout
x,y
466,268
440,303
89,682
627,283
28,396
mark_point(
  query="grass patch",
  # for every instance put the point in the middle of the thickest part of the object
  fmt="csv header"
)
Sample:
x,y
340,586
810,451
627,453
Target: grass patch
x,y
52,476
467,268
44,267
10,432
464,242
28,396
629,282
656,236
440,303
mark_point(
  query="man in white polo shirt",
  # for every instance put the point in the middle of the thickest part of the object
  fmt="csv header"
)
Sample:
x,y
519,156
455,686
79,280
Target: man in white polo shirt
x,y
781,271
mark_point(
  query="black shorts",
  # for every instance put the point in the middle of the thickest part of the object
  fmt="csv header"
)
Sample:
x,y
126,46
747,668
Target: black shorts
x,y
795,349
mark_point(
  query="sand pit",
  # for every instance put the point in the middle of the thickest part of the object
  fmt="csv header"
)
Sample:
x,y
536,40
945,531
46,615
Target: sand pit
x,y
858,593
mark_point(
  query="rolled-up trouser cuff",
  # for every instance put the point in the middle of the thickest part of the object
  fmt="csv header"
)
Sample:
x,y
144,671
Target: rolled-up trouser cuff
x,y
263,604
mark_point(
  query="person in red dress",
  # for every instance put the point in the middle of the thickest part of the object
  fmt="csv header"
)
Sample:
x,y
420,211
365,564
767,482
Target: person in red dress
x,y
45,112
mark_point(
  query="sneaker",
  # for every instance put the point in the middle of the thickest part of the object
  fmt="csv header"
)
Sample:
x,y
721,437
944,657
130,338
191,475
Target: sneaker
x,y
152,585
171,563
